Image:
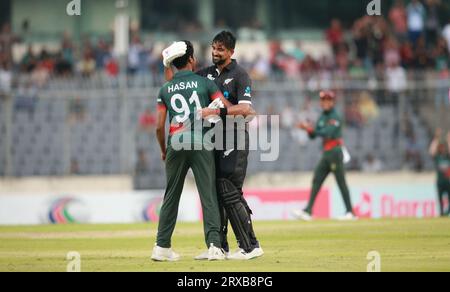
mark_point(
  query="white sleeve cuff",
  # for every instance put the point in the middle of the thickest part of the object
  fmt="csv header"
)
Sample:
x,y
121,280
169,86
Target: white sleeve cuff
x,y
245,102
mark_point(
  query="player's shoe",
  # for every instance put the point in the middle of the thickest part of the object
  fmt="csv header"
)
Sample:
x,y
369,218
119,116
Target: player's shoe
x,y
302,215
205,256
241,255
348,217
216,254
164,255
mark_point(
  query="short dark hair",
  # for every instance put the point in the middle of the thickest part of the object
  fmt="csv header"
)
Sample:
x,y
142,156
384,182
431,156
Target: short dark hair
x,y
182,61
227,39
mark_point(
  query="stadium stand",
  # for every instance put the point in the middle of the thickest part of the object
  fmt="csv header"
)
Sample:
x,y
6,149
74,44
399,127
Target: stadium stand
x,y
81,132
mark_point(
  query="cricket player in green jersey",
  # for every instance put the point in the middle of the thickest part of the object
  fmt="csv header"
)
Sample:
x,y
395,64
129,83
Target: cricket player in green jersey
x,y
440,151
182,98
329,127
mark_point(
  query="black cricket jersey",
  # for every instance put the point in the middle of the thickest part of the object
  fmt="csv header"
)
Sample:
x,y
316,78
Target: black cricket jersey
x,y
233,81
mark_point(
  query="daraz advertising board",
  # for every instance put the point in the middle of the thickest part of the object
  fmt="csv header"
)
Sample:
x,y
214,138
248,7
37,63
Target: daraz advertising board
x,y
390,201
395,201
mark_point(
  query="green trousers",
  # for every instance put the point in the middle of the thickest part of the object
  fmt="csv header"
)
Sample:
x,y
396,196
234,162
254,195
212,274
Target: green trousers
x,y
443,189
332,161
178,164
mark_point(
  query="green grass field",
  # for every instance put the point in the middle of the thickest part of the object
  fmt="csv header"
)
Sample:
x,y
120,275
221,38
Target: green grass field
x,y
404,245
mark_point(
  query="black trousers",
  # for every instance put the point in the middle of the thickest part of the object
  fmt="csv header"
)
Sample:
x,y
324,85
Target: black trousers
x,y
231,164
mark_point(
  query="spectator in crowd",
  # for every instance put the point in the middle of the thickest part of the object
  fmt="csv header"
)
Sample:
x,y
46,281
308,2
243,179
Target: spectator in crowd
x,y
134,55
260,71
142,165
342,61
442,97
26,99
40,75
77,110
357,70
407,54
446,34
335,35
291,67
397,17
423,59
441,55
308,68
360,33
112,68
147,121
368,107
413,157
432,25
5,77
277,56
288,117
396,79
101,54
297,52
7,40
372,164
416,20
353,115
67,55
392,52
29,61
87,65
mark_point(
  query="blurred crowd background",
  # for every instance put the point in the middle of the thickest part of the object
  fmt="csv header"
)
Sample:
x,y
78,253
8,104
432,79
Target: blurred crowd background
x,y
71,104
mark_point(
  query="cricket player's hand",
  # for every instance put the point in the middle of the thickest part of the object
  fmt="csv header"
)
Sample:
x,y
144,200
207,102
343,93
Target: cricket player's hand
x,y
206,113
304,125
163,156
252,114
211,113
176,50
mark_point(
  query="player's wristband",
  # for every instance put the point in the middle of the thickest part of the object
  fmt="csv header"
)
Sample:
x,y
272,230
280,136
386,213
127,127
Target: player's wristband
x,y
223,113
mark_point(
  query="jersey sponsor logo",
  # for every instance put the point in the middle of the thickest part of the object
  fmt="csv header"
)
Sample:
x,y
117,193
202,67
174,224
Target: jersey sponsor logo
x,y
182,86
228,81
210,77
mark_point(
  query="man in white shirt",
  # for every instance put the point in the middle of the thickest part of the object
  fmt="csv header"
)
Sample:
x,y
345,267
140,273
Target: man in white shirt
x,y
396,79
446,34
416,20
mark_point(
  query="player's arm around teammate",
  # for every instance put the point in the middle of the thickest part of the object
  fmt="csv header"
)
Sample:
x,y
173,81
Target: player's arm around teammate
x,y
241,109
